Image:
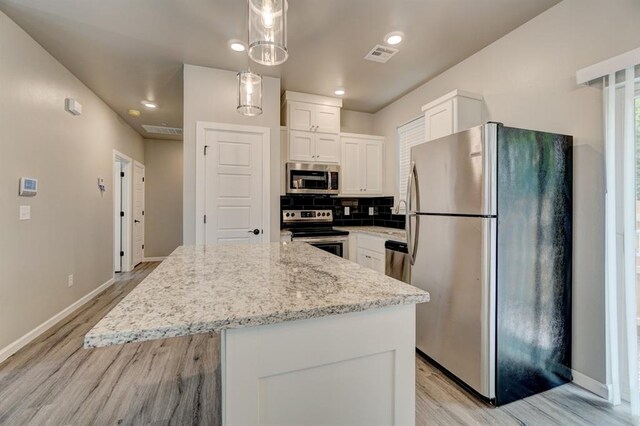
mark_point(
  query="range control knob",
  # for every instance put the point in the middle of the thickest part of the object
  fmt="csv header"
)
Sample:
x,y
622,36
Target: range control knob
x,y
287,215
293,214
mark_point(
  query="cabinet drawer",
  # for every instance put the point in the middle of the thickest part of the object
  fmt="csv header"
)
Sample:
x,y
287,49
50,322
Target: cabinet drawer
x,y
369,242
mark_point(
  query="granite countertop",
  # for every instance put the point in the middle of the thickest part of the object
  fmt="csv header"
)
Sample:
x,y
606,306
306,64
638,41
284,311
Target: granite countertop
x,y
378,231
203,289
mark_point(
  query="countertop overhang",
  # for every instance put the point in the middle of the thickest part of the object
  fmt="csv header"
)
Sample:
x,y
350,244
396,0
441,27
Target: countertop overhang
x,y
200,289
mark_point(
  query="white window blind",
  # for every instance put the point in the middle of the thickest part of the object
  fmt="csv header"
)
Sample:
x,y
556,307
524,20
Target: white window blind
x,y
409,135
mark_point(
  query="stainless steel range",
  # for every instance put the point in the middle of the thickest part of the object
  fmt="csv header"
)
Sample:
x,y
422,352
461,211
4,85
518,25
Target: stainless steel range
x,y
316,228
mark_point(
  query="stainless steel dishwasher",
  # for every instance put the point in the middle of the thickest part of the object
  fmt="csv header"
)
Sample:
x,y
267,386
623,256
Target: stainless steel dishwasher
x,y
396,263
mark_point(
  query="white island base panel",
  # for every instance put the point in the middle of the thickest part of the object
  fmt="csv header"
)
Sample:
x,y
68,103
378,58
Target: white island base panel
x,y
350,369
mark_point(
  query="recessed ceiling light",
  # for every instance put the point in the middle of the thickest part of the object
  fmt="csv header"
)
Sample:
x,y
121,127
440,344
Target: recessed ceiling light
x,y
237,46
134,113
149,104
394,38
339,92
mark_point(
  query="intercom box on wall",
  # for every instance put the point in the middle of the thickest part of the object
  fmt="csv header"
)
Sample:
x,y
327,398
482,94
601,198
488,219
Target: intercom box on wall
x,y
28,187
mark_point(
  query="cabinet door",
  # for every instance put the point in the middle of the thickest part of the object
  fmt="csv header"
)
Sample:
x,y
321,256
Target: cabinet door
x,y
372,173
377,262
301,146
327,148
438,120
301,116
351,180
365,259
327,119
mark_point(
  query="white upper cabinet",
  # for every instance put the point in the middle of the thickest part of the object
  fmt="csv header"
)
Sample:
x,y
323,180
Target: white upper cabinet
x,y
310,147
300,116
327,119
302,146
327,148
452,113
361,164
313,124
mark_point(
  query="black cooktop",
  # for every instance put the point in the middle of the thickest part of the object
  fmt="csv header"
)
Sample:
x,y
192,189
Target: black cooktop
x,y
317,232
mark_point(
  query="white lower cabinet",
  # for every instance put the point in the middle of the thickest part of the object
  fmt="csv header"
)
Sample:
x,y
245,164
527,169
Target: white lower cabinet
x,y
370,252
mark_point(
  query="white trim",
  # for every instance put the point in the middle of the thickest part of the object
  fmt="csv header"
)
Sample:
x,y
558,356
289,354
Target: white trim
x,y
154,259
591,385
309,98
451,95
201,127
362,136
139,165
21,342
611,259
629,242
127,208
611,65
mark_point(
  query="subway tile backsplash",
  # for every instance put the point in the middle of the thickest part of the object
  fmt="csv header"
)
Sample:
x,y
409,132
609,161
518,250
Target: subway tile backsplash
x,y
359,209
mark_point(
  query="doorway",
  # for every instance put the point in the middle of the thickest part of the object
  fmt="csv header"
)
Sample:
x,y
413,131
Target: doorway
x,y
122,173
232,184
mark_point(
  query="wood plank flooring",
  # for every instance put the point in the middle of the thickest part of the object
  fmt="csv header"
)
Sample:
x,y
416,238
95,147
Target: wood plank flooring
x,y
177,381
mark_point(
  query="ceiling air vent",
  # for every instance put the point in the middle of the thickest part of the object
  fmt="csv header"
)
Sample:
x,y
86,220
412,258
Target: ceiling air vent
x,y
381,53
162,130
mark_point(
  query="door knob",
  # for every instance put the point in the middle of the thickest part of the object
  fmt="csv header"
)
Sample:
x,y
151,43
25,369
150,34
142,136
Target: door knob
x,y
136,221
255,232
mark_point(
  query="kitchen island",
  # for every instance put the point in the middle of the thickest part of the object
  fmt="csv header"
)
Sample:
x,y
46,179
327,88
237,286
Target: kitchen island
x,y
307,337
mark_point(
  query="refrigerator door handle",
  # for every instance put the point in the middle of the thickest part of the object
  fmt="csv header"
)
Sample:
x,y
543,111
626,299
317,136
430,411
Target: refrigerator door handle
x,y
409,213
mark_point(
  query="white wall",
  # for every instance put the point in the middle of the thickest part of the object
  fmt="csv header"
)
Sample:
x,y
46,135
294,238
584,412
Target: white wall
x,y
163,196
211,95
528,80
356,122
71,226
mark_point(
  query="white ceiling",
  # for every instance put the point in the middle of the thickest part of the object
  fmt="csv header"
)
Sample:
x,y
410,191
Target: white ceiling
x,y
130,50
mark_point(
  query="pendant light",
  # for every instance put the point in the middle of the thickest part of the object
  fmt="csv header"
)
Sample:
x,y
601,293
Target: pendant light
x,y
249,93
268,31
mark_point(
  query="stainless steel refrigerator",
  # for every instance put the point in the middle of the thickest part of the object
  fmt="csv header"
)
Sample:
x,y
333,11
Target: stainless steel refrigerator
x,y
489,224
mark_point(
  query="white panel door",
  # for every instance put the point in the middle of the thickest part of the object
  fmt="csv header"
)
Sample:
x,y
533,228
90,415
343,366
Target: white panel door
x,y
301,116
351,167
301,146
438,121
327,148
138,213
233,187
372,167
327,119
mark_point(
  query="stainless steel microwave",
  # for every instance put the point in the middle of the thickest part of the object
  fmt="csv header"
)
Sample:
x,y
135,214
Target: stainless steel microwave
x,y
305,178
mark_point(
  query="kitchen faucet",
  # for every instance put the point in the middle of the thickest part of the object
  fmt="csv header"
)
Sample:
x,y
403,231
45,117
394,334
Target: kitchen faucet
x,y
397,211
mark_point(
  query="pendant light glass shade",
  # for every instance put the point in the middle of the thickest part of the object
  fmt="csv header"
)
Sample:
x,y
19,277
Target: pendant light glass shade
x,y
249,93
268,31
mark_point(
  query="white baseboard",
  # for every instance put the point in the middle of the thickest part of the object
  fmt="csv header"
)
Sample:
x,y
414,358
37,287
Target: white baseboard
x,y
154,259
591,385
21,342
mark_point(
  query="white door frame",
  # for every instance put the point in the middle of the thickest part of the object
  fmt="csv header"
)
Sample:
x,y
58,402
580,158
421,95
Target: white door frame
x,y
127,198
142,220
201,128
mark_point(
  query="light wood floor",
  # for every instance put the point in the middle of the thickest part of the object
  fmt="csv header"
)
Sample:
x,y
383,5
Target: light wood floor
x,y
177,381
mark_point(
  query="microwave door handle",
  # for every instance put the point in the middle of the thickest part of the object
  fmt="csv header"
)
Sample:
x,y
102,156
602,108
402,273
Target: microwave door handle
x,y
409,214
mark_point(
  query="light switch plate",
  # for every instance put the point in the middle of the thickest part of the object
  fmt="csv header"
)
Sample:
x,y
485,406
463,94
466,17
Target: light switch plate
x,y
347,210
371,211
25,212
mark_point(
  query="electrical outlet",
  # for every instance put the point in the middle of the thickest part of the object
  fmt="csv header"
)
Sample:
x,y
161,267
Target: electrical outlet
x,y
347,210
70,280
371,211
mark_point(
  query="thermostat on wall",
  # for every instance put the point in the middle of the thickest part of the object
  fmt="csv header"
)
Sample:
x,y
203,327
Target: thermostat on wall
x,y
28,187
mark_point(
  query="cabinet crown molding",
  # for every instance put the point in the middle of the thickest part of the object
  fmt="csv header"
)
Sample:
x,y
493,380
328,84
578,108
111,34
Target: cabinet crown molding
x,y
451,95
289,96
